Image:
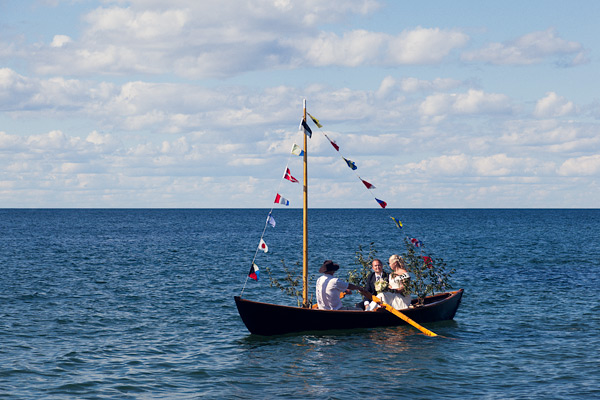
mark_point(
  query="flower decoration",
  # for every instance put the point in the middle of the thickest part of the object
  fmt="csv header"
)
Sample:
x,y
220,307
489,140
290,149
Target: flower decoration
x,y
381,285
428,261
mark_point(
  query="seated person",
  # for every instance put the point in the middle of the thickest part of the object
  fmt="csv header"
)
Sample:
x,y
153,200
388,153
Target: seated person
x,y
329,288
375,275
394,295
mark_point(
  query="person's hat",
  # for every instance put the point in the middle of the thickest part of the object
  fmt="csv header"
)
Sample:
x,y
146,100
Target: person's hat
x,y
328,266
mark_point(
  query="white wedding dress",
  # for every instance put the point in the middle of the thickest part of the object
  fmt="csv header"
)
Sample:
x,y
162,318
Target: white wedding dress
x,y
396,300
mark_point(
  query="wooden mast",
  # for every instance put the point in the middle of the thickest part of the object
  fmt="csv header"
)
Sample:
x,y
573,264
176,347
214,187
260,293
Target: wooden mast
x,y
305,222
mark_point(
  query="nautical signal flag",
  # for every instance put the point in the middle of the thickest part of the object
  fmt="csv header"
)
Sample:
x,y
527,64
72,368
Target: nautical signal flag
x,y
316,121
297,150
333,143
367,184
263,246
350,163
271,220
382,203
304,127
397,222
416,242
280,200
254,272
289,177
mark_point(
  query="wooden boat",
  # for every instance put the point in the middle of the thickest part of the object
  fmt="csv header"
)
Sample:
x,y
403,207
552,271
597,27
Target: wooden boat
x,y
272,319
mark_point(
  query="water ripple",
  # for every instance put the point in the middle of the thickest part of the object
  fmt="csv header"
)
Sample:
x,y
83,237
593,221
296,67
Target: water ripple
x,y
138,304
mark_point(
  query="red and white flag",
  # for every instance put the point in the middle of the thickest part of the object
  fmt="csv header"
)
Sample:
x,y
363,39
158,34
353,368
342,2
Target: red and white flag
x,y
367,184
281,200
254,272
289,177
333,143
263,246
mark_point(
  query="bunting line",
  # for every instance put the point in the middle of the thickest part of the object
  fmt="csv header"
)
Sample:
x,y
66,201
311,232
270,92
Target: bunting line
x,y
296,150
270,220
352,165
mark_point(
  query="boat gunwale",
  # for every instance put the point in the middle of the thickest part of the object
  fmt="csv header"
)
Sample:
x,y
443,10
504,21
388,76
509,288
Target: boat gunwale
x,y
452,294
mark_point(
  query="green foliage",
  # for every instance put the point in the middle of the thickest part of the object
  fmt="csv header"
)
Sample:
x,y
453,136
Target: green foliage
x,y
358,276
292,283
428,274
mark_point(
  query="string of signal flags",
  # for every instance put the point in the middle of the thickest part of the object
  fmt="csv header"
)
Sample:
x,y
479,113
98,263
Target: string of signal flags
x,y
287,176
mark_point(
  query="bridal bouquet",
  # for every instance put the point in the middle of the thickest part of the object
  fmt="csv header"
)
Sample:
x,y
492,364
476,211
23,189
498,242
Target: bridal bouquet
x,y
381,285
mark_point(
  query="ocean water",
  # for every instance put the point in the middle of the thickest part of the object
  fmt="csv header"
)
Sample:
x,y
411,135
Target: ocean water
x,y
138,304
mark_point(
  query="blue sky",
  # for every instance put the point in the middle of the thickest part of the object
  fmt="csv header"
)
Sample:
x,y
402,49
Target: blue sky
x,y
196,104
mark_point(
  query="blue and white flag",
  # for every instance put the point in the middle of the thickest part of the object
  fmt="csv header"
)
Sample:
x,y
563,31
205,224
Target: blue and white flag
x,y
350,163
304,127
281,200
297,150
271,220
254,272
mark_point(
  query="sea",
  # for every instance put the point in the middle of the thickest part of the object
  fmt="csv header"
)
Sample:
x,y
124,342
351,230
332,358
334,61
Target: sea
x,y
139,304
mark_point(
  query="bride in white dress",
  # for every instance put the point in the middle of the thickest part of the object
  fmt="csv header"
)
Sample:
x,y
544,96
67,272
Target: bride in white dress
x,y
394,295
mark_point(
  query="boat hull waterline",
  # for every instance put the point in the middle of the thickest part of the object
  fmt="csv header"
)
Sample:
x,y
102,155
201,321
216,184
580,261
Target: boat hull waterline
x,y
272,319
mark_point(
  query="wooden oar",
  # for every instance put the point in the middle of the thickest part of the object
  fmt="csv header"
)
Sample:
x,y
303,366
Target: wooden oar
x,y
397,313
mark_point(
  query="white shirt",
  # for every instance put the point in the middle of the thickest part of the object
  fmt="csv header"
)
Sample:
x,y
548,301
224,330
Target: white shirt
x,y
328,292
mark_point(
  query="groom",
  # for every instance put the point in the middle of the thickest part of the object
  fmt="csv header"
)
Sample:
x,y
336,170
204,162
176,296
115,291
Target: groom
x,y
376,274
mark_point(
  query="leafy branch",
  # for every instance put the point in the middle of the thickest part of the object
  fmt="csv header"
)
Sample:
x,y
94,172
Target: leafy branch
x,y
292,283
429,274
358,276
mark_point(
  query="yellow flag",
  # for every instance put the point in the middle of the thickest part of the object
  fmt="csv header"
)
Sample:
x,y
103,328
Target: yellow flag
x,y
316,121
397,222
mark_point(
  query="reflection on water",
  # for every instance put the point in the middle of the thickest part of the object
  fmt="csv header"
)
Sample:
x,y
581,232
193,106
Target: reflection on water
x,y
134,304
312,364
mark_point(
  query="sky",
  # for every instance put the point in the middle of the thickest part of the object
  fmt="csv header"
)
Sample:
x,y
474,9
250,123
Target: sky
x,y
190,104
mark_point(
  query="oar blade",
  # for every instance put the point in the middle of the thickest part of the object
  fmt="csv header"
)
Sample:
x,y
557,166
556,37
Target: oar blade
x,y
399,314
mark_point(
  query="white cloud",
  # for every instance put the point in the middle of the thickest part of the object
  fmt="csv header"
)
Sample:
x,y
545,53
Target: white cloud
x,y
14,88
424,45
472,102
9,142
436,104
497,165
192,40
361,47
528,49
352,49
21,94
550,136
123,103
386,87
438,84
118,23
60,41
579,59
443,165
581,166
201,39
462,165
553,105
